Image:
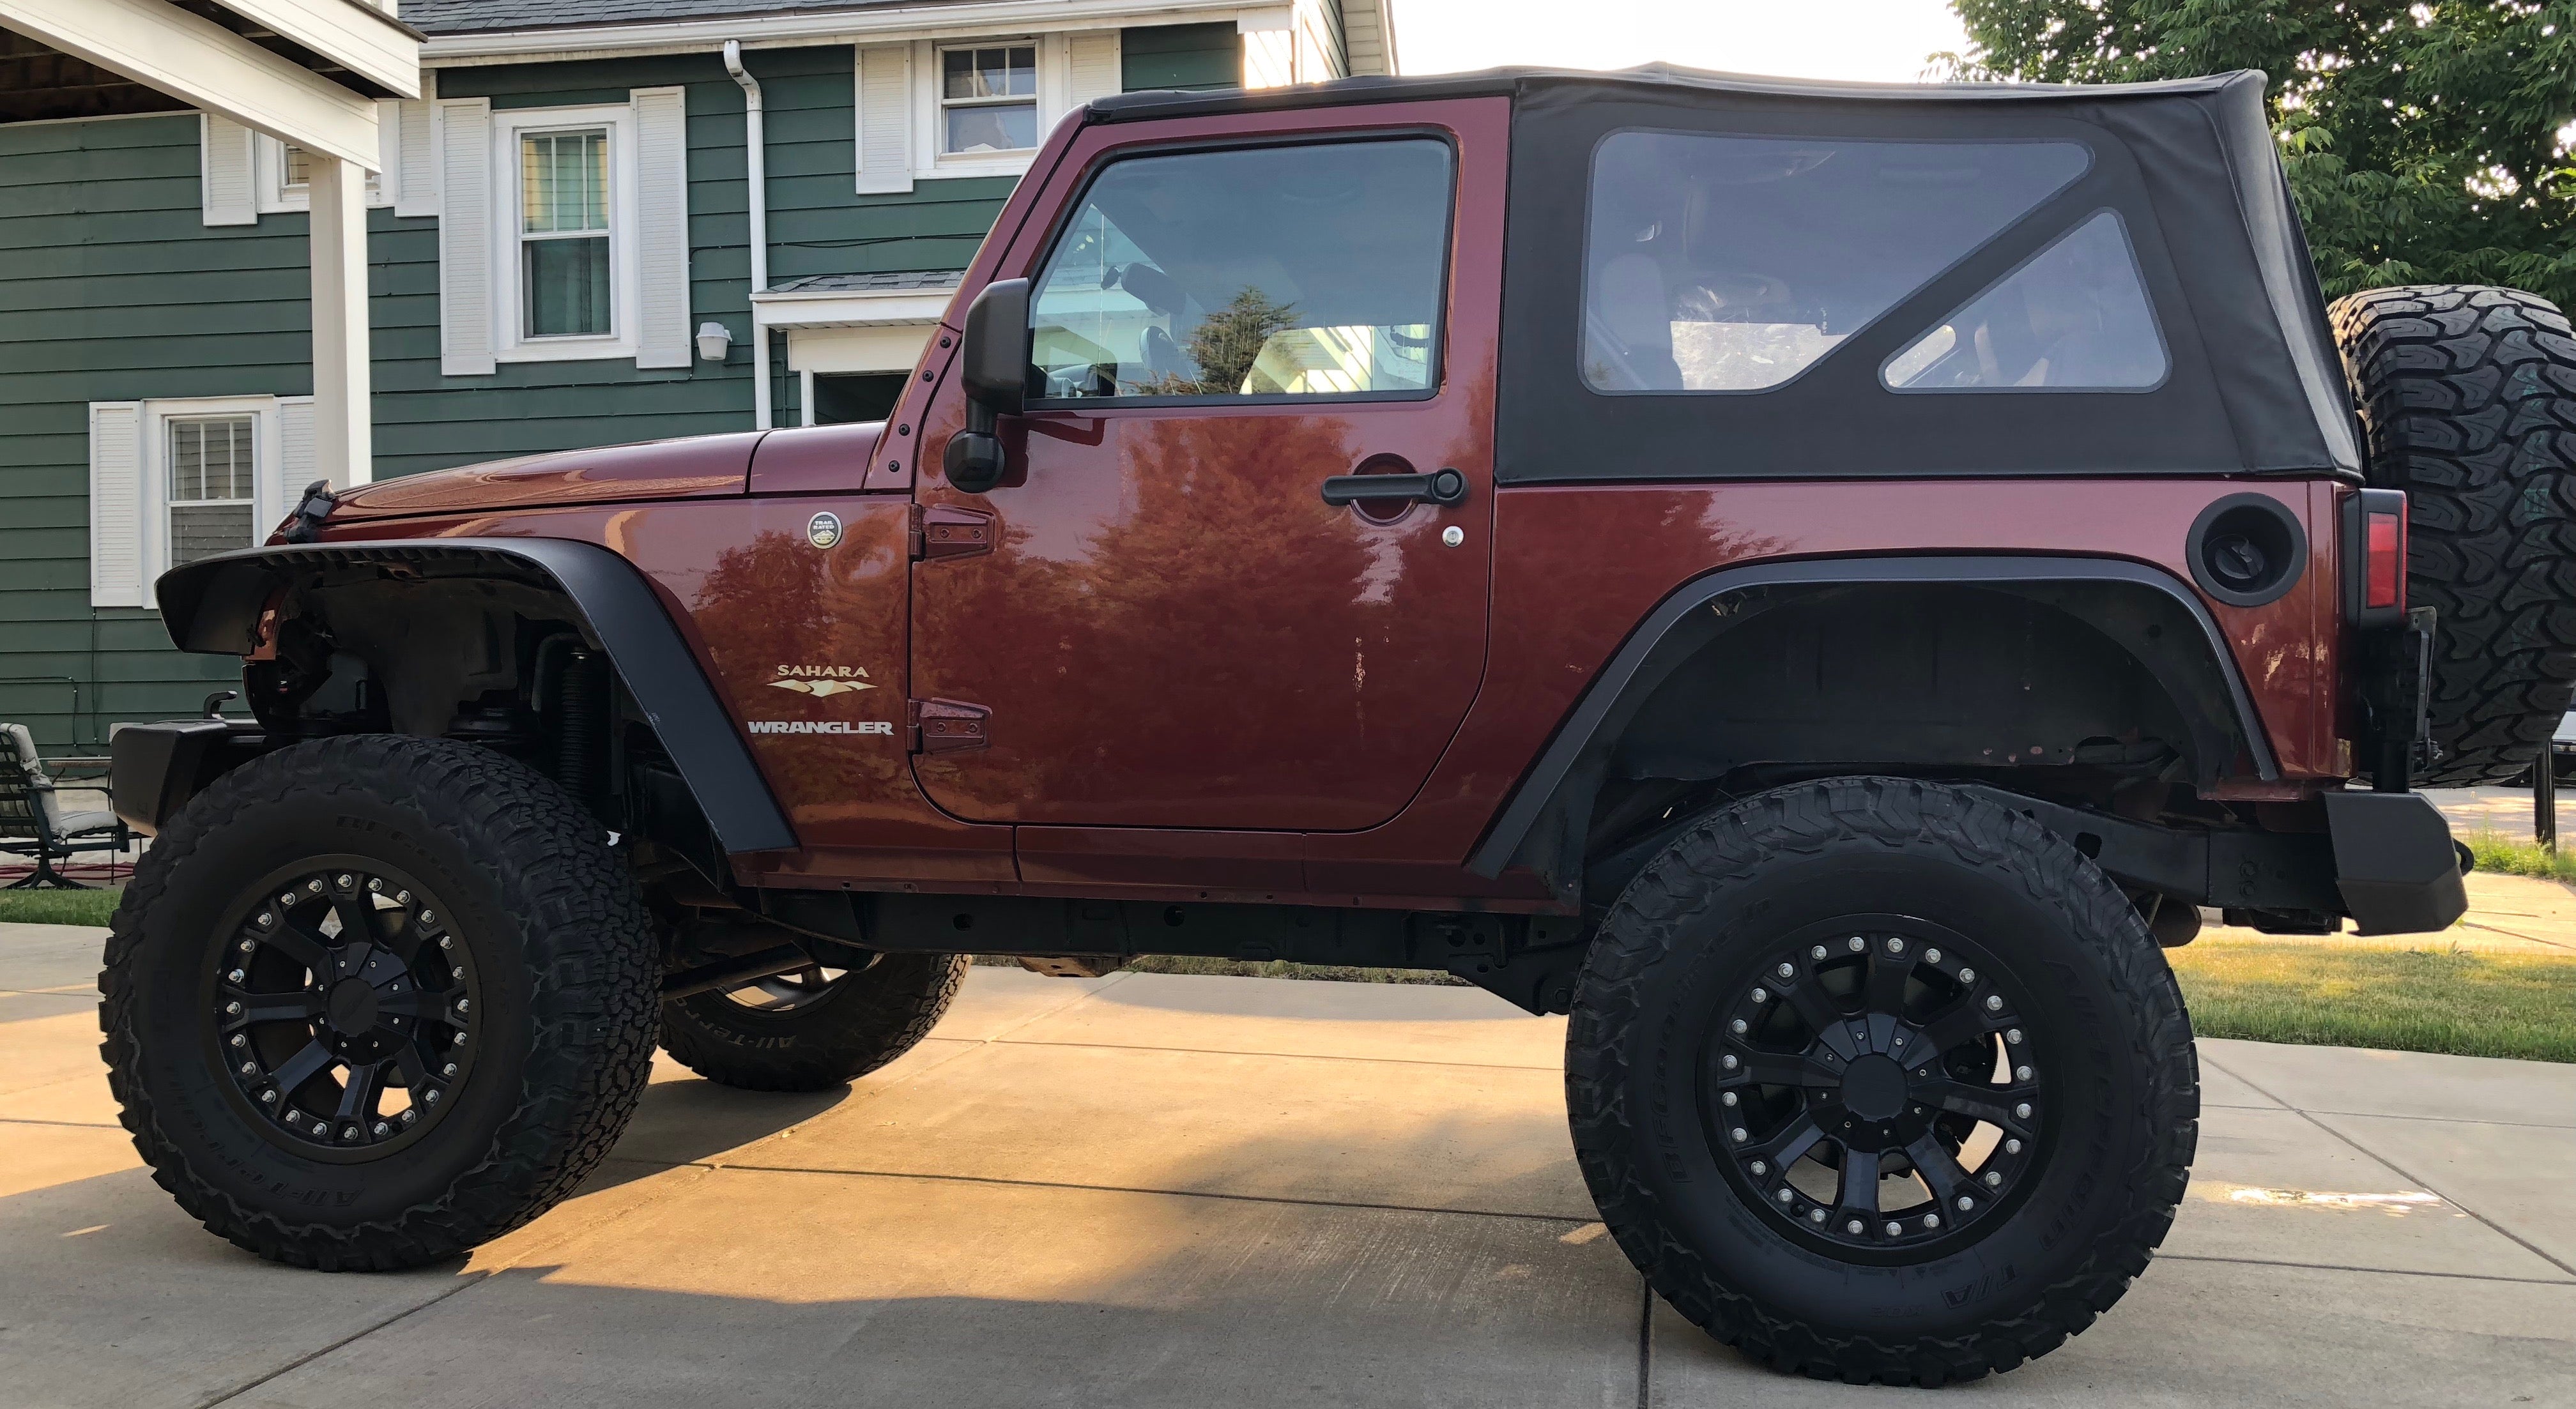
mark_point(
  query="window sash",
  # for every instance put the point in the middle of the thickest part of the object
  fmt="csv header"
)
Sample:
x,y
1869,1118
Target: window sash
x,y
198,460
564,174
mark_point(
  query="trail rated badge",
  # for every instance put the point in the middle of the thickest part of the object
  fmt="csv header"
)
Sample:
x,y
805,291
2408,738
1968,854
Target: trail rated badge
x,y
823,530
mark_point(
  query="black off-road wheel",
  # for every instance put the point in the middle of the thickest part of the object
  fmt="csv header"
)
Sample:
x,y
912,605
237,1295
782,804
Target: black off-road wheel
x,y
372,1001
1878,1081
815,1029
2469,397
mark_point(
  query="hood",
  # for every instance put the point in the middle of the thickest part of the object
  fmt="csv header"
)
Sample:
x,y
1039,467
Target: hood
x,y
693,468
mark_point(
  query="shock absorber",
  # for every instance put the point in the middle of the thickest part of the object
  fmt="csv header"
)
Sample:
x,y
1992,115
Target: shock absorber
x,y
580,726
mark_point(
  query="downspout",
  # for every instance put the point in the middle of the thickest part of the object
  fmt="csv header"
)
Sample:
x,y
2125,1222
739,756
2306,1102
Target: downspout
x,y
756,174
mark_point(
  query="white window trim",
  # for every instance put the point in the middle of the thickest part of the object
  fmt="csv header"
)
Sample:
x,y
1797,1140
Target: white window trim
x,y
1054,100
624,236
268,167
267,448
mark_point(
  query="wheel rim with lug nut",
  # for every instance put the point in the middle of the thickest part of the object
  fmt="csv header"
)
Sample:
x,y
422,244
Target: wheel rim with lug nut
x,y
341,1002
1877,1089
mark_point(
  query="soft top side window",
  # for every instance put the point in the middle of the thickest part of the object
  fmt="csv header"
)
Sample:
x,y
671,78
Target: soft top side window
x,y
2073,317
1308,271
1731,264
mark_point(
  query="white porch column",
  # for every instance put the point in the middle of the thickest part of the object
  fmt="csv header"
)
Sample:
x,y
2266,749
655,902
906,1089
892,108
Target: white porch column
x,y
343,424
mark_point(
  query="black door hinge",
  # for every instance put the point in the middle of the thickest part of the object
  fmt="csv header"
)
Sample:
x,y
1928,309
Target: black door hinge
x,y
944,726
946,531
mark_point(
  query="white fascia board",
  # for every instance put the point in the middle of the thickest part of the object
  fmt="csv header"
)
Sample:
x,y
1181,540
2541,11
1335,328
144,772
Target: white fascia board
x,y
188,57
1266,19
874,25
360,38
851,308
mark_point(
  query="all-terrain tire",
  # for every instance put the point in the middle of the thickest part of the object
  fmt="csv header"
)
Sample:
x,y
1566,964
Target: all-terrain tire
x,y
1768,892
858,1023
539,920
2468,394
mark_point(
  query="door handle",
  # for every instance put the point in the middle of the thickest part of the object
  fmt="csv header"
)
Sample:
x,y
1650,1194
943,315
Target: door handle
x,y
1443,487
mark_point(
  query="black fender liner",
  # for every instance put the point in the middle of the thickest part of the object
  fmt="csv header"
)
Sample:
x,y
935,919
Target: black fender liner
x,y
212,606
1683,624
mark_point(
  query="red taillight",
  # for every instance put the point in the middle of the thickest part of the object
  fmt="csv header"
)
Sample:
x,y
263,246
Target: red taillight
x,y
2384,580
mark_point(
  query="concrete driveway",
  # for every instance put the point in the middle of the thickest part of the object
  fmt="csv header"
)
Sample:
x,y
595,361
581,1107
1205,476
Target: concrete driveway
x,y
1153,1190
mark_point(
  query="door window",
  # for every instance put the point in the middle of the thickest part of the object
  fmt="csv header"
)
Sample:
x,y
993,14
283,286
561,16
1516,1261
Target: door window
x,y
1719,263
2075,318
1274,272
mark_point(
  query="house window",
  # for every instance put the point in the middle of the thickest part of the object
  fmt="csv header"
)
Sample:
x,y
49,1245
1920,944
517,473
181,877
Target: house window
x,y
988,99
283,171
213,471
564,235
567,216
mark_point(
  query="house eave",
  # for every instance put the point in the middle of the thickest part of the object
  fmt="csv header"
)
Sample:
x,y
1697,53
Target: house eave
x,y
851,308
799,30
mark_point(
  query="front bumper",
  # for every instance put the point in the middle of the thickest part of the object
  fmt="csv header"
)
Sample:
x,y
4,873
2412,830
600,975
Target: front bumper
x,y
154,769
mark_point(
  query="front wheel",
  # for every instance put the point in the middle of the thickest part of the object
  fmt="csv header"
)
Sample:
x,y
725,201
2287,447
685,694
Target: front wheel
x,y
1879,1081
371,1001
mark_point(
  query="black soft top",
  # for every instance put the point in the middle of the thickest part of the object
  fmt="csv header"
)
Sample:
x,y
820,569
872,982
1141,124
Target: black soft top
x,y
2254,385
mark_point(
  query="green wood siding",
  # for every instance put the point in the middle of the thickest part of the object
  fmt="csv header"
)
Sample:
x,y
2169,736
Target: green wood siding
x,y
1181,56
111,289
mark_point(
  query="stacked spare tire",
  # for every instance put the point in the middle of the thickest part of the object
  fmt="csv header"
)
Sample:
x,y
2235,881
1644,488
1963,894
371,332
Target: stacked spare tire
x,y
2468,397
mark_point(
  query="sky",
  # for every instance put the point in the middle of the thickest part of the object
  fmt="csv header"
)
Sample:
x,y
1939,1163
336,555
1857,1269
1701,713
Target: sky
x,y
1878,40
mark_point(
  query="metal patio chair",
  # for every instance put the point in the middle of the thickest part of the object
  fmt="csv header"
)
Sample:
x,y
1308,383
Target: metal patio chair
x,y
32,819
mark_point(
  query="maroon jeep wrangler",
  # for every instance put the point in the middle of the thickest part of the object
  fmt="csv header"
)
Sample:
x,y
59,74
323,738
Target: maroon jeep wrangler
x,y
1818,583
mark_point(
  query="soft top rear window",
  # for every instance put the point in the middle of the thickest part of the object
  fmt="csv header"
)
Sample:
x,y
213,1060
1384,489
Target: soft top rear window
x,y
1721,263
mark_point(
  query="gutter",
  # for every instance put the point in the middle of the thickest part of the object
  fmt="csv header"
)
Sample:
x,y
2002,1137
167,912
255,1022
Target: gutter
x,y
756,175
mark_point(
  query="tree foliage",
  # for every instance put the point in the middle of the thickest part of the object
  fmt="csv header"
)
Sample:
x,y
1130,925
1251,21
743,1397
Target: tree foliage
x,y
2426,142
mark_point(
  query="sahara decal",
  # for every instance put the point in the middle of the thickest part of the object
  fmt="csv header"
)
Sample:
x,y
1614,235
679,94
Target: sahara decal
x,y
823,681
882,727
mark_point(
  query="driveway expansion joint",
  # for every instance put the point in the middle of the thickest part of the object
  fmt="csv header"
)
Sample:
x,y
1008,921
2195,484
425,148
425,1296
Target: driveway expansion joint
x,y
2508,1234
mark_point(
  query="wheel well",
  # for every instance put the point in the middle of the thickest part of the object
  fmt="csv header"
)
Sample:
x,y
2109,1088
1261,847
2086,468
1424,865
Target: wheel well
x,y
2108,692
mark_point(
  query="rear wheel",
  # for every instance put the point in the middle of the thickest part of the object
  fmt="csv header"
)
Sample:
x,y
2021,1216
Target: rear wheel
x,y
1877,1081
814,1029
2469,397
372,1001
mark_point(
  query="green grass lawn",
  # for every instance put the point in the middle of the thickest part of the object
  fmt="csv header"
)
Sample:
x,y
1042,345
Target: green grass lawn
x,y
58,907
2474,1004
2519,858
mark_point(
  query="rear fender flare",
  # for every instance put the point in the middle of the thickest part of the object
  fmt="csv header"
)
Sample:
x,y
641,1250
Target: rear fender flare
x,y
1542,823
212,606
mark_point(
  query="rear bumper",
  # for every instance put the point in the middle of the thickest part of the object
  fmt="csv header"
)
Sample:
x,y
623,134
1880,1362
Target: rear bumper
x,y
2386,860
2394,862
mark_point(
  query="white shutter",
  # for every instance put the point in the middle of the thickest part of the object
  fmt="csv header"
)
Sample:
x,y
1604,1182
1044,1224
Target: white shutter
x,y
283,478
885,118
1096,72
465,237
224,171
116,527
413,176
662,227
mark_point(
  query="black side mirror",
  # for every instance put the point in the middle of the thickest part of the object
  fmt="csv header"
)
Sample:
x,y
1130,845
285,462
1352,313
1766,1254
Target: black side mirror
x,y
994,369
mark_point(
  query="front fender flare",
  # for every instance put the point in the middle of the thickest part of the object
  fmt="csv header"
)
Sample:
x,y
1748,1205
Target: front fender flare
x,y
212,606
